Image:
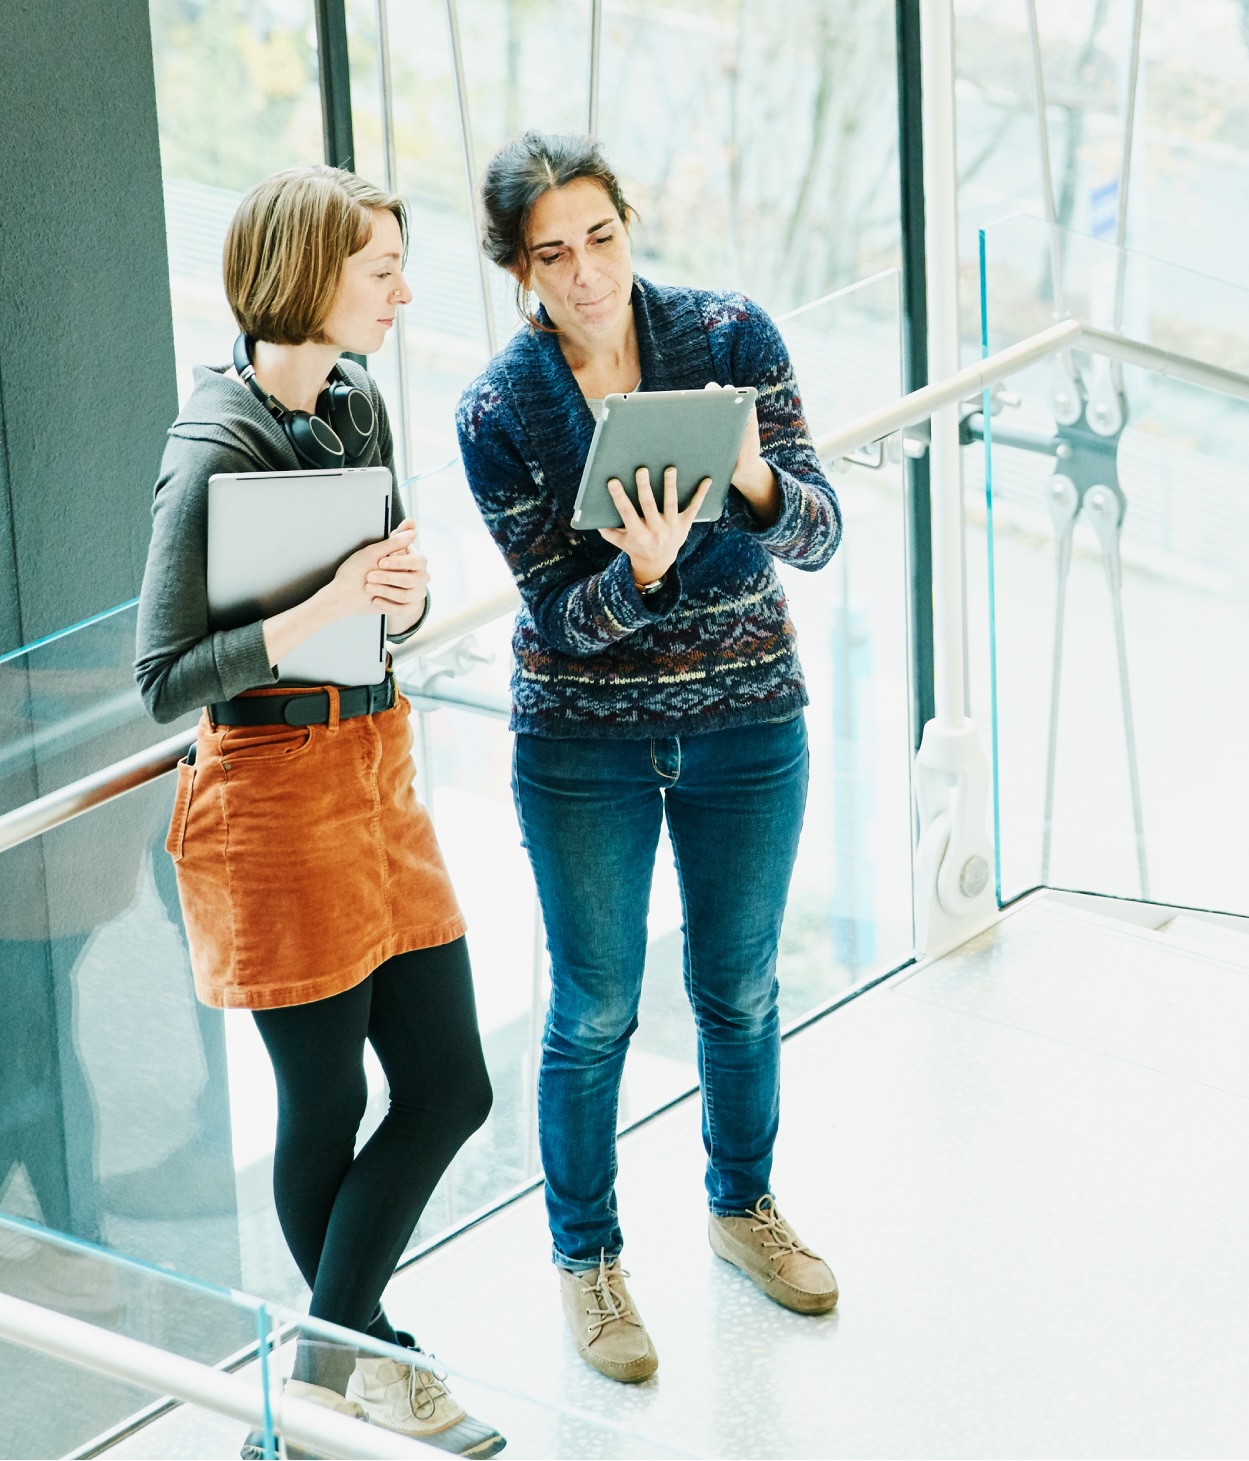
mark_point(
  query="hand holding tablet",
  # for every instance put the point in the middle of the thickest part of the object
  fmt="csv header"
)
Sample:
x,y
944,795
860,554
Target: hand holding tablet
x,y
698,434
652,536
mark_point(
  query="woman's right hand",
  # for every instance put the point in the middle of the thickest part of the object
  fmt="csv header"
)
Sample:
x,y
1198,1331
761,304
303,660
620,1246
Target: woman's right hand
x,y
351,593
651,538
347,594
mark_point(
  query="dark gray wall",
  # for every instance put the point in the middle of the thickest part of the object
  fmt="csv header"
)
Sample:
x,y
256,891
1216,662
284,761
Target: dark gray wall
x,y
87,384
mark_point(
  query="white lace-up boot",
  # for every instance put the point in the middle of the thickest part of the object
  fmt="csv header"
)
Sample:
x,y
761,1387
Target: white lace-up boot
x,y
411,1398
254,1445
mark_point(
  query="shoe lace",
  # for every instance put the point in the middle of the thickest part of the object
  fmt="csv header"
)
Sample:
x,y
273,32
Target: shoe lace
x,y
607,1292
425,1389
779,1234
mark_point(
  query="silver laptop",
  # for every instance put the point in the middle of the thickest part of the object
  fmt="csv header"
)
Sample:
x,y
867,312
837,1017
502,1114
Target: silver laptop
x,y
274,538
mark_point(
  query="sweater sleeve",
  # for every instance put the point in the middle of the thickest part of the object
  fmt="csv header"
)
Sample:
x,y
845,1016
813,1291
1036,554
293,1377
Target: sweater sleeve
x,y
808,528
577,609
180,663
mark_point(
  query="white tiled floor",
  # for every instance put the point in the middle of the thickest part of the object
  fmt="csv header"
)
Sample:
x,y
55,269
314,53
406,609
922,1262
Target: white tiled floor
x,y
1027,1165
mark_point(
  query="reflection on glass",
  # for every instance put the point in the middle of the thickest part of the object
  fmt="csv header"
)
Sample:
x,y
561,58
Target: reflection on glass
x,y
757,142
69,705
1121,582
1191,141
237,98
850,904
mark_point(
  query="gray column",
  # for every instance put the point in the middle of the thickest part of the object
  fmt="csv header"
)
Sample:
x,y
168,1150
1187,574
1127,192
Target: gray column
x,y
87,385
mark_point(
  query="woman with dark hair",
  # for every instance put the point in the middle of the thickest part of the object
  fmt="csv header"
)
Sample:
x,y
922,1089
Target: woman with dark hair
x,y
655,677
312,887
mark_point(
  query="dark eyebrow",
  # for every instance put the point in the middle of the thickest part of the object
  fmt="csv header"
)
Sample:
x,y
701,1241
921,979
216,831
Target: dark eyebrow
x,y
556,243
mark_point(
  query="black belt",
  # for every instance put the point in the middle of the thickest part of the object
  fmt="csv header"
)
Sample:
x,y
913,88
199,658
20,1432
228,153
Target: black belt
x,y
310,708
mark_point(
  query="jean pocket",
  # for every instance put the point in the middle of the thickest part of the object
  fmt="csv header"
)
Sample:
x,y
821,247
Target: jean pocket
x,y
176,835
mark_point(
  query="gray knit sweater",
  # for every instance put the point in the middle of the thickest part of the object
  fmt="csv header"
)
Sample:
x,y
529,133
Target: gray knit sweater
x,y
183,661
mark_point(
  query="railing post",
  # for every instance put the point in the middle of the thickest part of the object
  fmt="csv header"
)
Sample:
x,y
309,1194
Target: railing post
x,y
954,895
915,354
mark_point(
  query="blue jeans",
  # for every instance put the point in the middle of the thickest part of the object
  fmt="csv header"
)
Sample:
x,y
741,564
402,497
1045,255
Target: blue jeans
x,y
590,812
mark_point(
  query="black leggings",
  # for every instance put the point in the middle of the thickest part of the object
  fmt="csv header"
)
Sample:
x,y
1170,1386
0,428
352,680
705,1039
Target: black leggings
x,y
347,1218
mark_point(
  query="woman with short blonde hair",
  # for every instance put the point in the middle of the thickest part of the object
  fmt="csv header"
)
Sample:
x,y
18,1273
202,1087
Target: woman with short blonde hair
x,y
312,886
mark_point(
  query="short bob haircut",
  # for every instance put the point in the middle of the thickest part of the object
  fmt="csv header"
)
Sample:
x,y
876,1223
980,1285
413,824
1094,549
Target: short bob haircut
x,y
517,176
287,244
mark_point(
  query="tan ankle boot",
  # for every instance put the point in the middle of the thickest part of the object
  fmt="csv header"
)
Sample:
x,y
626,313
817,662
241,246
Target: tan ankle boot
x,y
607,1329
771,1255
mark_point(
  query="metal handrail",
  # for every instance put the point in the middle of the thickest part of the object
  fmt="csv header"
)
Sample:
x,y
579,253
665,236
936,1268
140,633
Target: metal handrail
x,y
67,802
155,761
974,379
134,1363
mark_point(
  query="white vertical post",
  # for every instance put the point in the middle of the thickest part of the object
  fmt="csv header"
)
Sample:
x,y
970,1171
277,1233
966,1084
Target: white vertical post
x,y
470,170
954,895
596,56
391,170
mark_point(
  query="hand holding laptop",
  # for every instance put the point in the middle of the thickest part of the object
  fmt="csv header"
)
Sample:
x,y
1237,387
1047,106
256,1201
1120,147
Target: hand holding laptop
x,y
389,577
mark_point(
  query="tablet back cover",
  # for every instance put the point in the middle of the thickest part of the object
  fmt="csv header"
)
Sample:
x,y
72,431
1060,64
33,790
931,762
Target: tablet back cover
x,y
698,432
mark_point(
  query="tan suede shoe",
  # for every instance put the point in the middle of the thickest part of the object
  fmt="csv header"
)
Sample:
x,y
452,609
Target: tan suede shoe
x,y
607,1329
771,1255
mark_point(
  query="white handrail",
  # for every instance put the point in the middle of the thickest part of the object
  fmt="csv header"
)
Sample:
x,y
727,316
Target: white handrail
x,y
920,404
136,1363
455,626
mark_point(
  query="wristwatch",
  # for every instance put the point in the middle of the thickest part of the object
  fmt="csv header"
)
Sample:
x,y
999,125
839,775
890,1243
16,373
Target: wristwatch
x,y
653,587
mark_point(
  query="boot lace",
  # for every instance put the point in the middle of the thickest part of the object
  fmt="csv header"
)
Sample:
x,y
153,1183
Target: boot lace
x,y
607,1293
425,1390
780,1235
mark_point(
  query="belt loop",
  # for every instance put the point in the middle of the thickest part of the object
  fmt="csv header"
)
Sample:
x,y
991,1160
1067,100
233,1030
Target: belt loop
x,y
332,692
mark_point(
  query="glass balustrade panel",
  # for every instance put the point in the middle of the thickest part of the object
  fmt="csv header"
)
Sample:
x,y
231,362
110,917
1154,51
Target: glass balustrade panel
x,y
69,705
850,908
255,1347
1121,582
237,98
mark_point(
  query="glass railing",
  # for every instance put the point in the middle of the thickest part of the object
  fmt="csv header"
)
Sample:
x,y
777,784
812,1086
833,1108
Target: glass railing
x,y
1120,582
850,907
69,706
241,1349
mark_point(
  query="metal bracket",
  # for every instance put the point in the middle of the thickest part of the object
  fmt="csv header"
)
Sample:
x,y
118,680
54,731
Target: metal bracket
x,y
1085,480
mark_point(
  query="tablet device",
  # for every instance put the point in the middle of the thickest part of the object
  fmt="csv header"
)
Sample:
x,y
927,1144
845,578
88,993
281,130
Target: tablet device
x,y
697,432
275,538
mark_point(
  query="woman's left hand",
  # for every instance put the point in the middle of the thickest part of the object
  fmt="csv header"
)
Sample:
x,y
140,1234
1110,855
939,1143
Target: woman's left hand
x,y
399,582
752,476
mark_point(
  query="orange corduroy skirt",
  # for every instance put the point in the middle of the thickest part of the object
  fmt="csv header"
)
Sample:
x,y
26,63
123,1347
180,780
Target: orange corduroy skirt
x,y
304,859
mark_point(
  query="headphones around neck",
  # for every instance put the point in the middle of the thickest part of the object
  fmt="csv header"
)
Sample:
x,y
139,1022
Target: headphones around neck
x,y
321,442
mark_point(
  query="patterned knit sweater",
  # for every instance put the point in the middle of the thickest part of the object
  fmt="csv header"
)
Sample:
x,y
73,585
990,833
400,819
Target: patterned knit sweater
x,y
715,646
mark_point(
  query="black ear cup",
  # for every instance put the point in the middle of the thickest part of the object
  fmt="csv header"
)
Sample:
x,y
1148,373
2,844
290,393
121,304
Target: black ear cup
x,y
316,443
320,444
350,413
